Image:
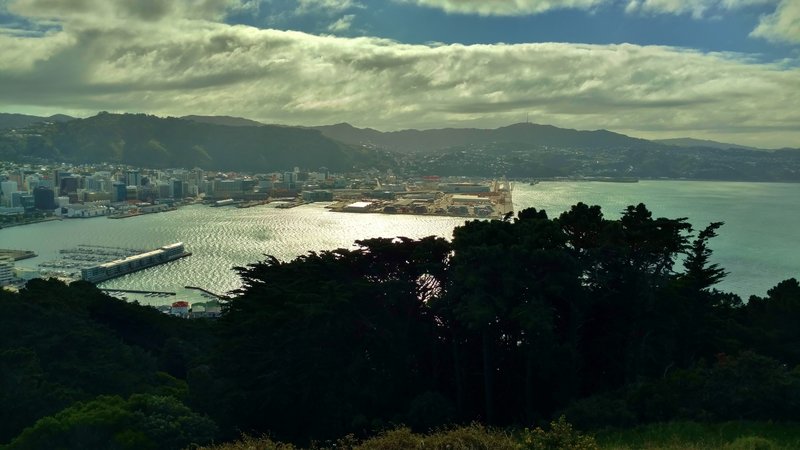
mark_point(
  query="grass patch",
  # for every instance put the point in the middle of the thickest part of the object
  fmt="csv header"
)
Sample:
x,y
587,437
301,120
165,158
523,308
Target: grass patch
x,y
692,435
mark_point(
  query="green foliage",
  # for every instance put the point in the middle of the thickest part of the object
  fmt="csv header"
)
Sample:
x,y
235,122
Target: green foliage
x,y
460,438
252,443
141,422
746,387
470,437
62,344
692,435
561,436
751,443
511,323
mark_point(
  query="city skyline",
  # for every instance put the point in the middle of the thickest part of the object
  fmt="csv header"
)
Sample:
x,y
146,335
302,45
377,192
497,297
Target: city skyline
x,y
714,69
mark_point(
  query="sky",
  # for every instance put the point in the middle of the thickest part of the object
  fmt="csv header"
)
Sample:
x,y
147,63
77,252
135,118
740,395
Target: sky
x,y
727,70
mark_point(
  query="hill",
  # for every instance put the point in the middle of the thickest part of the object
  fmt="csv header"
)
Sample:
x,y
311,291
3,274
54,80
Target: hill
x,y
224,120
150,141
426,141
690,142
12,121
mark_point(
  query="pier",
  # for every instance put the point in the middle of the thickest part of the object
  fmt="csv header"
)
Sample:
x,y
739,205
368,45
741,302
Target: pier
x,y
134,291
206,291
17,255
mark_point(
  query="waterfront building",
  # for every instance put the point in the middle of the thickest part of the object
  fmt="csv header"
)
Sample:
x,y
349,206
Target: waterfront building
x,y
93,196
472,188
290,178
132,192
317,195
134,263
180,308
176,188
4,211
6,270
87,210
25,200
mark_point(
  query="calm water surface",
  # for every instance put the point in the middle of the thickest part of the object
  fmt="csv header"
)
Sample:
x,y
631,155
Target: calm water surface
x,y
759,244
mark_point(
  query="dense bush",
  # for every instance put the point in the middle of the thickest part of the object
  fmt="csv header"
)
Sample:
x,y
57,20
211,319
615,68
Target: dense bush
x,y
142,422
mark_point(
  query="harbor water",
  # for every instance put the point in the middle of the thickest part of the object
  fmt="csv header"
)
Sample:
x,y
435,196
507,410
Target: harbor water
x,y
758,244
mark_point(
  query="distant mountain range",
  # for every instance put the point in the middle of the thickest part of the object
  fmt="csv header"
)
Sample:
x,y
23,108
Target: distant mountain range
x,y
150,141
13,121
438,139
519,150
526,133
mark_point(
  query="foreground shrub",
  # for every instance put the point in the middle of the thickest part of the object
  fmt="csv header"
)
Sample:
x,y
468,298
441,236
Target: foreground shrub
x,y
470,437
560,437
139,423
751,443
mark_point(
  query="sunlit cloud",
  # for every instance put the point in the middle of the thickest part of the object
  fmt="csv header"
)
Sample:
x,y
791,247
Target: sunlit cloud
x,y
197,65
505,7
343,24
783,25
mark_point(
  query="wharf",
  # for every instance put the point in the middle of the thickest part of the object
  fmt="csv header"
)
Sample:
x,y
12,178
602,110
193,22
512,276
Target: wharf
x,y
17,255
134,263
206,291
290,205
127,214
134,291
478,205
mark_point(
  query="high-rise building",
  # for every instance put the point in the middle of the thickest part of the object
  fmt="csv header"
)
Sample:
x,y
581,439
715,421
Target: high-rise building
x,y
119,192
27,201
58,174
290,178
134,178
68,185
44,198
177,188
6,189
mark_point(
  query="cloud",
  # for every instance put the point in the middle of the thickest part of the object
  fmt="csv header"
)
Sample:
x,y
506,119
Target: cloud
x,y
198,66
697,8
138,10
343,24
505,7
329,6
781,26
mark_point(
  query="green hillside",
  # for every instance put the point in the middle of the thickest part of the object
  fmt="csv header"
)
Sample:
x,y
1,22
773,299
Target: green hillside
x,y
149,141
